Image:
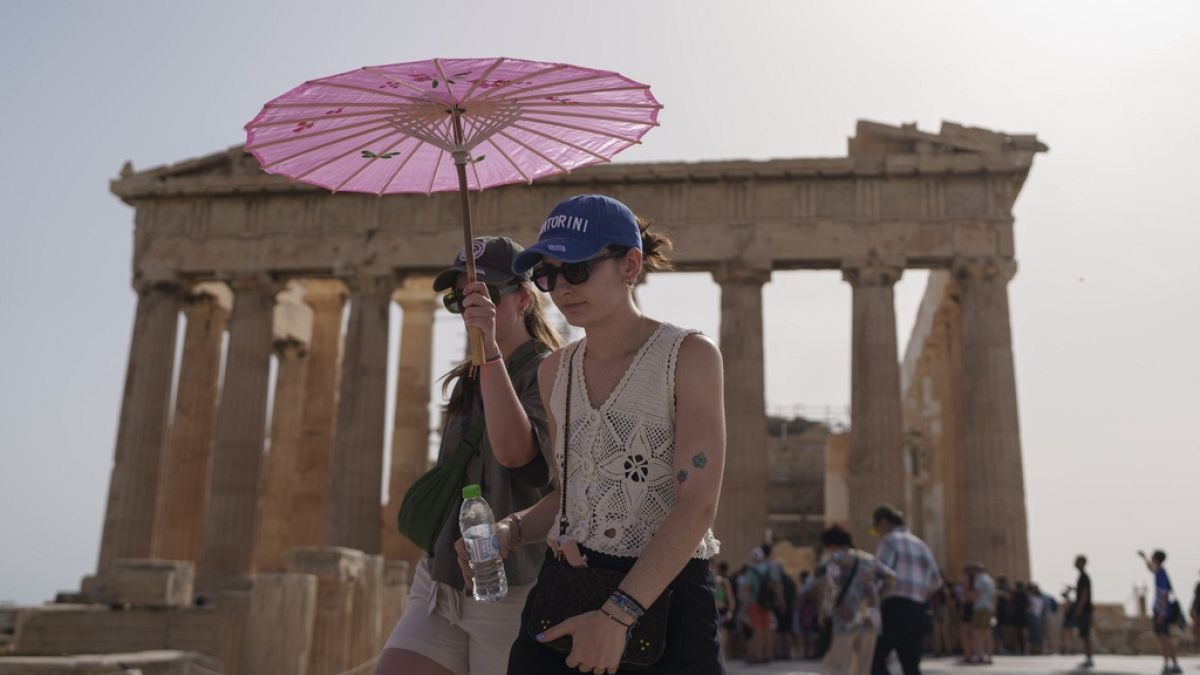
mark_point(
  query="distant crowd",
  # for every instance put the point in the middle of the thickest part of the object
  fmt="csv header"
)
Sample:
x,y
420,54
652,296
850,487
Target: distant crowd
x,y
856,611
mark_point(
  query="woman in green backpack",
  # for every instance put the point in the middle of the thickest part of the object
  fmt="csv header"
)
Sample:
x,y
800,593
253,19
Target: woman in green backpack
x,y
494,435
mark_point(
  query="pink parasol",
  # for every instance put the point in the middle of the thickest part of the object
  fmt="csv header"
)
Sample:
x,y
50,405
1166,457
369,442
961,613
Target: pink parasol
x,y
449,124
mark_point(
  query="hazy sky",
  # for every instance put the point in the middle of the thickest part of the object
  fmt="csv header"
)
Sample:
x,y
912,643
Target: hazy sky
x,y
1104,307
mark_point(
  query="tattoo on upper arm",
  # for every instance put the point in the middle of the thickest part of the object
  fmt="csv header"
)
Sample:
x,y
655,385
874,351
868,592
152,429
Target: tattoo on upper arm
x,y
681,477
699,461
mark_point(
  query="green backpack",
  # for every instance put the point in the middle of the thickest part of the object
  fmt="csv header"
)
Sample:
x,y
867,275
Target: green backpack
x,y
428,502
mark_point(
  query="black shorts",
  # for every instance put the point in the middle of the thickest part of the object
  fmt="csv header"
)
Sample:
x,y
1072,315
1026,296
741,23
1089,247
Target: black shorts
x,y
1162,627
1084,623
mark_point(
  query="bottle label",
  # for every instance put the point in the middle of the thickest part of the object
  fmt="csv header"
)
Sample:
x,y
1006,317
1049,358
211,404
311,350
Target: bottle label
x,y
479,545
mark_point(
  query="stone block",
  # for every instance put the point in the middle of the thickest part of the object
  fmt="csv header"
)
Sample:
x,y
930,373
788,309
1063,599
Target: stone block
x,y
159,662
152,583
338,571
88,629
368,610
394,595
280,626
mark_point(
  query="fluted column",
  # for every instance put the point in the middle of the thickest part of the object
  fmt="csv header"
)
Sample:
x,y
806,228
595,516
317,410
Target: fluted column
x,y
231,517
310,502
184,475
280,482
355,508
410,435
877,473
133,485
742,514
995,486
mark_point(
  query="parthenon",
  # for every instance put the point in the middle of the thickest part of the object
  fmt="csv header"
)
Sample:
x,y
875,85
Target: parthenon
x,y
259,266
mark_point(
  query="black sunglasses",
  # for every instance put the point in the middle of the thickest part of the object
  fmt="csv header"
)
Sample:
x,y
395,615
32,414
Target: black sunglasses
x,y
454,299
546,277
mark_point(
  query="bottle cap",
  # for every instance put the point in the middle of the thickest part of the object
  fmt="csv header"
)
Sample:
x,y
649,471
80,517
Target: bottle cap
x,y
472,491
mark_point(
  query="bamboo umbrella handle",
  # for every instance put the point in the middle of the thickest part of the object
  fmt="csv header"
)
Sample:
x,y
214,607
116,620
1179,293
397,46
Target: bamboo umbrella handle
x,y
476,339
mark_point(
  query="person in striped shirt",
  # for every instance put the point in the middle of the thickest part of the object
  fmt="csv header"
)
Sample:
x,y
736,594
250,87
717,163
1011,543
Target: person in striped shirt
x,y
904,609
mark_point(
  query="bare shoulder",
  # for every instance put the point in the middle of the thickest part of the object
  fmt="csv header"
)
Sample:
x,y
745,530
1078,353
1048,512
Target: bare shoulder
x,y
548,369
699,352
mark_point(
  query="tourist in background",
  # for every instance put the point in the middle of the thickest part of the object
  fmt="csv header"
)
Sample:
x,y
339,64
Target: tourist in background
x,y
1001,632
851,600
760,591
1036,619
808,610
1019,618
1164,610
440,632
1195,612
1068,641
905,605
965,596
724,595
1081,610
983,609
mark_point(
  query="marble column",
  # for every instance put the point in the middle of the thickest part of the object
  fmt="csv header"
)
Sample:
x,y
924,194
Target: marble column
x,y
133,485
741,521
184,475
231,516
876,467
310,501
995,525
355,504
410,435
280,482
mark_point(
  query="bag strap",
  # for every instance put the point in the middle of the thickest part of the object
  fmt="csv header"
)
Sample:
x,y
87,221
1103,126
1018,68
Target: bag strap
x,y
562,514
846,586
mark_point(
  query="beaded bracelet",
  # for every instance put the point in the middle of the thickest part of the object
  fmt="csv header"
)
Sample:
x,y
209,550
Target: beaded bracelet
x,y
627,604
626,626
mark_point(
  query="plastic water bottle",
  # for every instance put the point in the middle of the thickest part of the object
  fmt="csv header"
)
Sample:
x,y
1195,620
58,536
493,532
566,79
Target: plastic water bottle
x,y
478,527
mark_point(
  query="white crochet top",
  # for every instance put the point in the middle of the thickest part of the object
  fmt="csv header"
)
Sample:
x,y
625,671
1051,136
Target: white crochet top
x,y
621,482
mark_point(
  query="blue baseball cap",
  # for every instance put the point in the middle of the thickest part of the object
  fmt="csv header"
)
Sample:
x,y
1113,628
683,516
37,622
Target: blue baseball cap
x,y
580,228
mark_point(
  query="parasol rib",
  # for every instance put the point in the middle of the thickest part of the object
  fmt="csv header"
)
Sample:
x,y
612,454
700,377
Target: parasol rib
x,y
535,151
367,90
436,166
560,140
369,162
425,93
491,92
510,160
437,63
297,120
324,145
348,153
597,132
559,83
323,132
401,167
483,77
560,94
607,118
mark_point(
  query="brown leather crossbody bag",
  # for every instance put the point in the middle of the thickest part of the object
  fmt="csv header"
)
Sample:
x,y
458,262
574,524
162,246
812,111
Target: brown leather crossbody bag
x,y
563,591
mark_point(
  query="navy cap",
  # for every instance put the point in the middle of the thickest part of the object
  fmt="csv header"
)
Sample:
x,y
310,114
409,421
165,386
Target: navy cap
x,y
494,258
580,228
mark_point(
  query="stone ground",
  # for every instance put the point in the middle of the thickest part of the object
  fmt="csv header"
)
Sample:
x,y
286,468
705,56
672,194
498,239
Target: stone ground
x,y
1011,665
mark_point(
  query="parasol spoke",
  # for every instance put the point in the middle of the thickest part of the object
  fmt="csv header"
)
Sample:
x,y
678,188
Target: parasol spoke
x,y
483,77
433,176
558,83
367,90
489,124
319,118
339,104
504,154
561,94
545,71
295,139
400,168
365,165
478,183
335,158
560,140
598,132
437,63
579,104
425,93
422,128
535,151
325,145
590,116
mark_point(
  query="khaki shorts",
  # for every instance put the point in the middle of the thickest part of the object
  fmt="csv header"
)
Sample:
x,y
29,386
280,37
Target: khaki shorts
x,y
981,619
449,627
